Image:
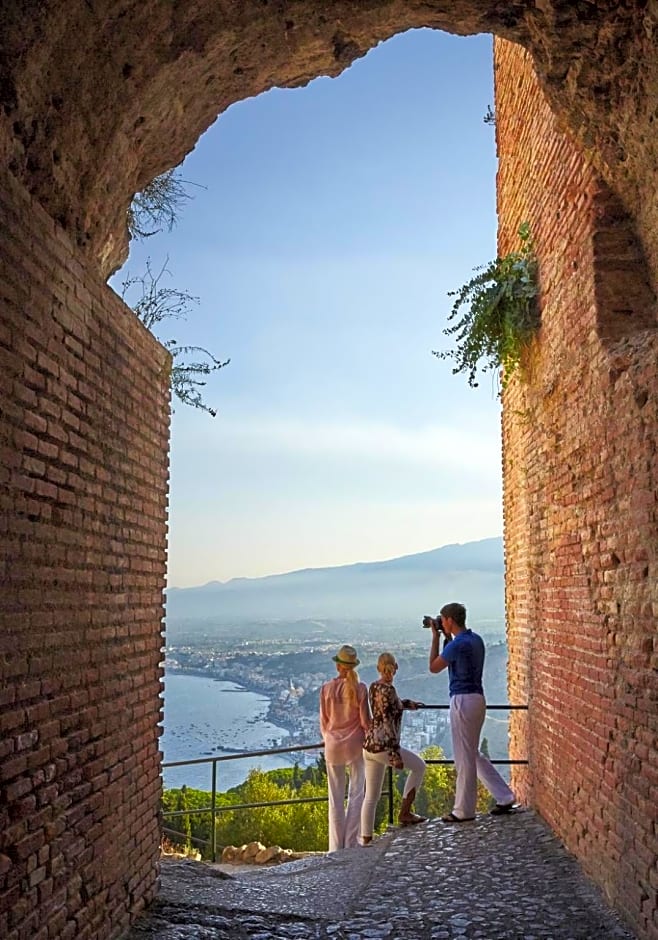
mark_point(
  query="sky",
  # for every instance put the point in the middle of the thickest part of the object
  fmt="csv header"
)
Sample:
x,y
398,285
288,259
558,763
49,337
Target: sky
x,y
332,223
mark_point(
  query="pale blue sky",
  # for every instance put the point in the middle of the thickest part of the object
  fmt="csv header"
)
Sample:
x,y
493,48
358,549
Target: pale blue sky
x,y
335,220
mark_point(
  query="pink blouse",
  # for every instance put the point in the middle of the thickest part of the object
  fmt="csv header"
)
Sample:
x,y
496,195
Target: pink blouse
x,y
342,723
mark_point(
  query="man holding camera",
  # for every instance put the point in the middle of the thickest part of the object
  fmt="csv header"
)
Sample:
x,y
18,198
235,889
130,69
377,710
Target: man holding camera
x,y
463,656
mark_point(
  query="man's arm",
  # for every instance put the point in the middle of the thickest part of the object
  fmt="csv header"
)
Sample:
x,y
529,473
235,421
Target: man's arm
x,y
437,662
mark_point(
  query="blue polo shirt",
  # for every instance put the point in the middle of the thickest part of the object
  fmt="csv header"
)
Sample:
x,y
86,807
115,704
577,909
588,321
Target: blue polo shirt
x,y
465,656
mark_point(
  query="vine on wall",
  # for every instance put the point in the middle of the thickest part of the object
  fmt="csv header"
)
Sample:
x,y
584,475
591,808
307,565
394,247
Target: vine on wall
x,y
498,314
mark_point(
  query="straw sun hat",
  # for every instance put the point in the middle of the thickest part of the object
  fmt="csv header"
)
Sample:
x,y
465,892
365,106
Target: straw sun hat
x,y
346,656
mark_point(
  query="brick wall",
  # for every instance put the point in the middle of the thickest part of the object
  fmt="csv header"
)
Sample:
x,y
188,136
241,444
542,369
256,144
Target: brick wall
x,y
83,488
581,507
83,482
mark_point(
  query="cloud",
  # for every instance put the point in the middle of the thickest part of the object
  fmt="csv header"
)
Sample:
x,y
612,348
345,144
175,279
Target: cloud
x,y
439,446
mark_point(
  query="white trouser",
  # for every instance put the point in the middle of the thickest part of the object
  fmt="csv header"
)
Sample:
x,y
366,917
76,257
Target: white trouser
x,y
376,765
467,713
344,824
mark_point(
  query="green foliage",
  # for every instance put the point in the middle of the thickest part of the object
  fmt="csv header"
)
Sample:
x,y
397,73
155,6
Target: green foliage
x,y
437,793
497,313
321,766
309,825
185,382
185,823
157,205
302,827
299,826
195,828
267,824
154,303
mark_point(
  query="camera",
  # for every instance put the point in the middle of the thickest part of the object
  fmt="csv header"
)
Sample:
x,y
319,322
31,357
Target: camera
x,y
431,622
437,624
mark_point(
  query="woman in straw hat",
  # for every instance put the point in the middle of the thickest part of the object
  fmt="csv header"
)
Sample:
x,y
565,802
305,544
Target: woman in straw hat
x,y
344,718
382,749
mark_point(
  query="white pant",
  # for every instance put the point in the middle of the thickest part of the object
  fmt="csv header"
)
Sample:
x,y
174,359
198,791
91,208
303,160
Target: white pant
x,y
467,713
376,765
344,825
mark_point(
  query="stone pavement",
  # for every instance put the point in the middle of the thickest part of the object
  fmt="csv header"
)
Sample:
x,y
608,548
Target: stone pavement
x,y
498,878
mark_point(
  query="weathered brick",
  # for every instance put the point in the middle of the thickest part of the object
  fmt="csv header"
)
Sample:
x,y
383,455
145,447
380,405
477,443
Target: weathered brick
x,y
589,431
28,845
61,478
578,533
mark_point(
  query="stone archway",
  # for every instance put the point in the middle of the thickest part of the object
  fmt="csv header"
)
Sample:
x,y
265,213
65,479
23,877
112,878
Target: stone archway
x,y
99,98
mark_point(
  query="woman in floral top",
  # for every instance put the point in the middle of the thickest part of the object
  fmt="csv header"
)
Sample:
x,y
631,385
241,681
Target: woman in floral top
x,y
381,749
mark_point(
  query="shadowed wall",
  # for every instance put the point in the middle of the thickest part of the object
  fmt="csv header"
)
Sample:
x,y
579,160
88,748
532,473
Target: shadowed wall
x,y
581,484
98,98
84,421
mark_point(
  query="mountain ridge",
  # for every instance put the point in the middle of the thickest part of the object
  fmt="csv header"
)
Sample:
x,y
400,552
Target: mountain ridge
x,y
471,571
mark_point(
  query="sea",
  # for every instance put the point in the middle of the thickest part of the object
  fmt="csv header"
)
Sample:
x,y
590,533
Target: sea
x,y
205,718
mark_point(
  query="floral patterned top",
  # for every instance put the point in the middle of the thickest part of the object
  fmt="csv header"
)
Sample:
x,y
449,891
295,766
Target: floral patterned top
x,y
383,734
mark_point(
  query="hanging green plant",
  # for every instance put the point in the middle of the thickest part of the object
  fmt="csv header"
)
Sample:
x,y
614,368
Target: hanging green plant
x,y
501,314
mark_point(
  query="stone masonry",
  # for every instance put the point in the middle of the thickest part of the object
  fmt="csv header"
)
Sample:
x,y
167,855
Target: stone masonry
x,y
96,98
84,434
581,485
505,878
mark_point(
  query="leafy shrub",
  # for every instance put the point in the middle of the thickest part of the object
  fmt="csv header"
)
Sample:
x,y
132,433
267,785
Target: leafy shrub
x,y
302,827
498,314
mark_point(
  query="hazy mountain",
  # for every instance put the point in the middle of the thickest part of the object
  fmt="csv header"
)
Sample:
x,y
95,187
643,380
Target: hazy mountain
x,y
405,587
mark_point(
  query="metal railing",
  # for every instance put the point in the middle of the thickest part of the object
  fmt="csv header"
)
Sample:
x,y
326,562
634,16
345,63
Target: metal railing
x,y
214,810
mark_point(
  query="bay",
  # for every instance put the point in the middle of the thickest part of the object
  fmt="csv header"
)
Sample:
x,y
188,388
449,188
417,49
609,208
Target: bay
x,y
206,717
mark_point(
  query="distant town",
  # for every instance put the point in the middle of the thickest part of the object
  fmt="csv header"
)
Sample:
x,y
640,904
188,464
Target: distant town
x,y
290,674
275,636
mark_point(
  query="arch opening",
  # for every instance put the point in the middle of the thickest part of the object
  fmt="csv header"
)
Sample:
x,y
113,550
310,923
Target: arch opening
x,y
85,121
84,422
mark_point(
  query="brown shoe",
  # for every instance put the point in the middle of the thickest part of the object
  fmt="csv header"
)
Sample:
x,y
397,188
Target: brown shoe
x,y
406,817
411,819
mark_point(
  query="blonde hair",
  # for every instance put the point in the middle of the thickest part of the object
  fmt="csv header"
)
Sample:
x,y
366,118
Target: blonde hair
x,y
346,660
351,677
386,664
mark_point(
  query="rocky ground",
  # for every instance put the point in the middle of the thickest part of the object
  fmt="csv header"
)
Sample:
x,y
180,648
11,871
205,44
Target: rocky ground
x,y
503,878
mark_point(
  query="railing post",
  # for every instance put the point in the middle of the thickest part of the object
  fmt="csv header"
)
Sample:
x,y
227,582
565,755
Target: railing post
x,y
213,805
212,844
390,796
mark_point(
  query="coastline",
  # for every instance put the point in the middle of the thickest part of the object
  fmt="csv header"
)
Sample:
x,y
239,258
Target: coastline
x,y
206,727
273,714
